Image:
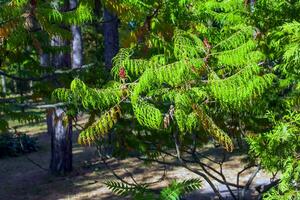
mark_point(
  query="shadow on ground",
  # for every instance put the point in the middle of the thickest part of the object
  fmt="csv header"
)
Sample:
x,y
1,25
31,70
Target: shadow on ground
x,y
20,179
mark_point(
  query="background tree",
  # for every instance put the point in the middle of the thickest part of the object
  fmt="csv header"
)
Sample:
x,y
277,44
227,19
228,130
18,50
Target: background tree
x,y
77,51
41,22
111,37
61,125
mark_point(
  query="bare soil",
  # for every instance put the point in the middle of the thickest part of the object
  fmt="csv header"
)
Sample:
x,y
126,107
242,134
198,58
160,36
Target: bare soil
x,y
20,179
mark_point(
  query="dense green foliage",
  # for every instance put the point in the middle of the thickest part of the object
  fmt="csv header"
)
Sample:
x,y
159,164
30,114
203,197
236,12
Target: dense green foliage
x,y
220,63
27,29
278,148
200,70
188,71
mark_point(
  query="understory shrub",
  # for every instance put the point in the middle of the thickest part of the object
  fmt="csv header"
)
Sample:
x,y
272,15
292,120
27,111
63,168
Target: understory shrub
x,y
12,144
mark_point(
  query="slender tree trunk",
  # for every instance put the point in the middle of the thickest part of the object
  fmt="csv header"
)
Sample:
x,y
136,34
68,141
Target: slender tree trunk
x,y
111,37
3,83
77,57
44,60
97,8
61,143
61,126
21,85
252,5
60,59
49,119
111,48
98,14
31,87
15,86
77,46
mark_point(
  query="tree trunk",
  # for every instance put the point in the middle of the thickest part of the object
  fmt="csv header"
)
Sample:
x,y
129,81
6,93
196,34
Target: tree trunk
x,y
3,83
97,8
44,60
49,119
77,57
77,46
252,4
60,59
111,37
61,126
61,143
15,86
111,48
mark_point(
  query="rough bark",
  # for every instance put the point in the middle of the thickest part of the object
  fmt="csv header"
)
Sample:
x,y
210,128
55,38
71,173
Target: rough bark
x,y
61,143
77,43
61,126
111,37
61,58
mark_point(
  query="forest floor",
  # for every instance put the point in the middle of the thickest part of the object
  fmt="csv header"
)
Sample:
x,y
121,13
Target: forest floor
x,y
20,179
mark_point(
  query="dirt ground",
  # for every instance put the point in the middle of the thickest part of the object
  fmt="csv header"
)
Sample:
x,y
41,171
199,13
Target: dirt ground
x,y
20,179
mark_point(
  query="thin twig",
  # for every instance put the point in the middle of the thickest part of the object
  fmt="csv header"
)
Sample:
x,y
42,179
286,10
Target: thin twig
x,y
238,178
250,181
130,175
204,166
182,164
224,178
113,171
